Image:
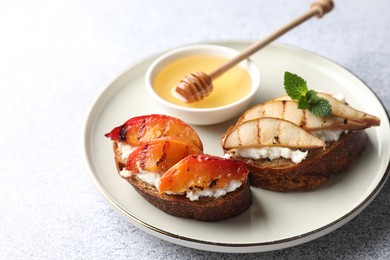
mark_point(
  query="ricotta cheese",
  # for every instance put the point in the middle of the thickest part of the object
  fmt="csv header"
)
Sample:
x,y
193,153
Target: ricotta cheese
x,y
216,193
328,135
125,149
296,156
272,153
153,179
124,173
150,178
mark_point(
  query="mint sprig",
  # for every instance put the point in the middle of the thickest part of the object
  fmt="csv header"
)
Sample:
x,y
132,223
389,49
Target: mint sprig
x,y
296,88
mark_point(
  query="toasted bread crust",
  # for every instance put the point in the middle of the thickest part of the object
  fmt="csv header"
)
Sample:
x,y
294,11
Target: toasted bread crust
x,y
284,175
205,209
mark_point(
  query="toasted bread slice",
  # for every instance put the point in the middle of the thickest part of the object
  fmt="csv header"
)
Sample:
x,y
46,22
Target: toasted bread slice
x,y
320,164
205,209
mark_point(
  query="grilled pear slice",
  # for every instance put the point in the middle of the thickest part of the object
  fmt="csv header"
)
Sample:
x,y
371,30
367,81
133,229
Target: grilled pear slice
x,y
343,110
288,110
268,131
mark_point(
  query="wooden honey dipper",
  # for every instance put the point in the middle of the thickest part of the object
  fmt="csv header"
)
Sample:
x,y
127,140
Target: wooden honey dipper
x,y
195,86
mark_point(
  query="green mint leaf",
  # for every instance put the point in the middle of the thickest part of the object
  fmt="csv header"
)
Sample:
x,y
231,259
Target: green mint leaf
x,y
311,96
294,85
320,107
296,88
303,103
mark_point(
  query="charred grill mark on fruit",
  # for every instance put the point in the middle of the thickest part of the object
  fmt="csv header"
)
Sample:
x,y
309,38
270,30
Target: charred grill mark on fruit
x,y
213,183
164,153
323,122
239,137
123,132
278,132
143,156
258,128
195,188
283,108
199,187
276,139
303,119
141,130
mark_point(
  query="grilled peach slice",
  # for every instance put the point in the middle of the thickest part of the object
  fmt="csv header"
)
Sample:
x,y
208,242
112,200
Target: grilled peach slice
x,y
268,131
288,110
342,109
141,129
159,155
202,171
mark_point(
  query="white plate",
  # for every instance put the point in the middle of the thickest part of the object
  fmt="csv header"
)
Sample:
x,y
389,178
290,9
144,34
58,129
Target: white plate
x,y
275,220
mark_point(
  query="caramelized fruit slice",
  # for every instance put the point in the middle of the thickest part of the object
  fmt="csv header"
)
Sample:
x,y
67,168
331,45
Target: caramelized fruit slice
x,y
159,155
141,129
269,131
288,110
198,172
342,109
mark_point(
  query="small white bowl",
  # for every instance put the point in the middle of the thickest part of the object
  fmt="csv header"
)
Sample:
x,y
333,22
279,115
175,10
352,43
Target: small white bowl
x,y
202,116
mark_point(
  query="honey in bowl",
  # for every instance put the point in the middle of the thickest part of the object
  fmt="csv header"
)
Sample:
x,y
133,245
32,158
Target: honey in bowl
x,y
230,87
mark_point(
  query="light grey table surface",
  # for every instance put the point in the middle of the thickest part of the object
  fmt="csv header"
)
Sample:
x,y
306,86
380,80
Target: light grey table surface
x,y
57,56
